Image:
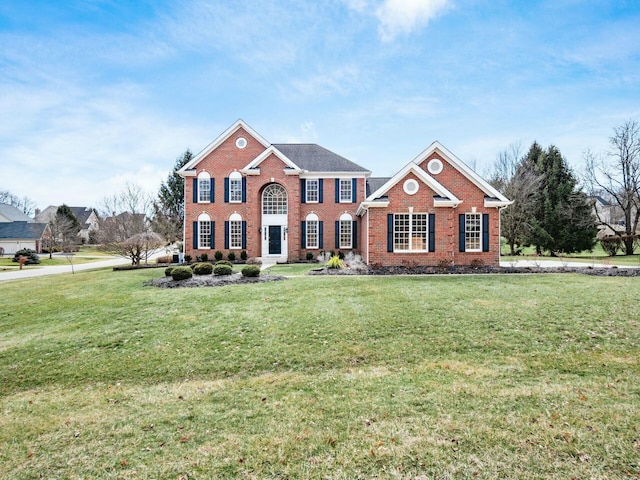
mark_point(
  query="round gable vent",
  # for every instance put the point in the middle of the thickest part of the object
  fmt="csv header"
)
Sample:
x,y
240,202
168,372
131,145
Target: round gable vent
x,y
241,142
434,166
411,187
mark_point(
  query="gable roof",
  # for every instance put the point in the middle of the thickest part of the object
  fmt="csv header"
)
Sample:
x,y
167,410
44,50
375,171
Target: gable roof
x,y
22,230
496,199
255,163
314,158
221,138
12,214
81,213
443,196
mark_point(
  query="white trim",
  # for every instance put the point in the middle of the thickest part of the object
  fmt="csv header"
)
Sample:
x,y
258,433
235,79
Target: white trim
x,y
251,166
464,169
312,175
218,141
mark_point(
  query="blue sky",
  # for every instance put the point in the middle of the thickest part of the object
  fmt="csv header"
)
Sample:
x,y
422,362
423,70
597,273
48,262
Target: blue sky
x,y
95,93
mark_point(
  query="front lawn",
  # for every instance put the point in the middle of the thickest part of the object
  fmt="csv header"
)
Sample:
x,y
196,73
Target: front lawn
x,y
504,376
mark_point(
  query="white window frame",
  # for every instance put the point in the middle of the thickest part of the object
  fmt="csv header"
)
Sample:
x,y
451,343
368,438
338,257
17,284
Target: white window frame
x,y
204,188
235,232
235,187
414,235
312,233
346,194
274,200
204,231
346,231
312,194
472,232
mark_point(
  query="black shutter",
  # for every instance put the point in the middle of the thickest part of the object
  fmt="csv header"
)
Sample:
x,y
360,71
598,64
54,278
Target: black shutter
x,y
337,234
226,235
303,234
320,188
485,232
195,190
461,230
226,189
195,235
213,235
213,190
337,190
320,235
354,235
432,232
354,185
389,232
244,234
303,191
244,189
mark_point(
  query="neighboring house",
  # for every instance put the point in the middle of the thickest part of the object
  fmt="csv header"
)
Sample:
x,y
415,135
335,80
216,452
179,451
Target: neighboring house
x,y
283,201
18,231
87,217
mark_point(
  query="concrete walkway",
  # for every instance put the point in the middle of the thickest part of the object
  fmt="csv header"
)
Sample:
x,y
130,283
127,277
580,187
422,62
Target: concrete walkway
x,y
30,271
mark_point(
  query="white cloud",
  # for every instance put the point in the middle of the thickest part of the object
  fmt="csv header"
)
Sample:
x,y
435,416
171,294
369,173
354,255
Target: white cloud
x,y
404,16
340,80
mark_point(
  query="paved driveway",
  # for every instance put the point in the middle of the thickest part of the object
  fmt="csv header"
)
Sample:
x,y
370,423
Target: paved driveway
x,y
30,271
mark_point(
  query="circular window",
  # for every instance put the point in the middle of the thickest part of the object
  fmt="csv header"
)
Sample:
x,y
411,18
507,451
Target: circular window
x,y
241,142
434,166
411,187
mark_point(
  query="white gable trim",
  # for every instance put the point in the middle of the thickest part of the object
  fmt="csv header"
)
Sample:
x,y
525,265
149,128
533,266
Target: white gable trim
x,y
252,166
447,199
218,141
496,200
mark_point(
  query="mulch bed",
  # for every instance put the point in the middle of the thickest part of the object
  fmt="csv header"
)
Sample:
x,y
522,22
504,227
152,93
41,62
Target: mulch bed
x,y
211,280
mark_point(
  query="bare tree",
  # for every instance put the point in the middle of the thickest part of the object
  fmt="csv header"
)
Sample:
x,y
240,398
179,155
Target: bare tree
x,y
24,204
124,228
518,181
618,175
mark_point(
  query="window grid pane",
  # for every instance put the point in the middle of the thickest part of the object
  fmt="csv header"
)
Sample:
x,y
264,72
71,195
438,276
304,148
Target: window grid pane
x,y
419,232
274,200
204,190
410,232
312,233
204,228
345,233
235,190
345,190
312,191
401,229
235,234
472,231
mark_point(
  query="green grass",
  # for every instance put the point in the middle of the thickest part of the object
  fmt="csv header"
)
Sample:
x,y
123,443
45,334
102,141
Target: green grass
x,y
321,377
597,257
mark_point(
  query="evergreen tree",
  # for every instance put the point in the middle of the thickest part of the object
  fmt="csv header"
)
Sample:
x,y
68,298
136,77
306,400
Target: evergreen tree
x,y
168,208
65,227
564,222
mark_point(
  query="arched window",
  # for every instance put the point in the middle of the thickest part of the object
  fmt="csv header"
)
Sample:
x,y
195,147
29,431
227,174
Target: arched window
x,y
204,231
235,231
235,187
274,200
345,231
312,231
204,187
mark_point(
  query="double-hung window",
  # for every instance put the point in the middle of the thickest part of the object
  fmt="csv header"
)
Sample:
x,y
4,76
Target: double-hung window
x,y
344,234
473,232
410,232
204,188
235,187
312,191
345,190
235,231
312,233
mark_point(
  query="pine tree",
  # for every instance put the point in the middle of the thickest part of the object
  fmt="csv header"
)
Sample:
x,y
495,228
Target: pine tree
x,y
65,227
168,208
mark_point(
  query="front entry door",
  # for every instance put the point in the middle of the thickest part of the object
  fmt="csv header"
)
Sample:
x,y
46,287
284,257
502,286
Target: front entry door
x,y
275,240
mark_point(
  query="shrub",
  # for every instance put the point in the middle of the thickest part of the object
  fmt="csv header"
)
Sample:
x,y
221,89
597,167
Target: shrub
x,y
243,255
335,262
231,257
341,255
224,262
217,255
203,268
222,269
309,256
477,263
251,271
187,258
204,257
32,256
167,271
611,245
181,273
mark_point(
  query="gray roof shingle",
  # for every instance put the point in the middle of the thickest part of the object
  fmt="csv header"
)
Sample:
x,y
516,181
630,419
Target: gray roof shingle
x,y
22,230
314,158
13,214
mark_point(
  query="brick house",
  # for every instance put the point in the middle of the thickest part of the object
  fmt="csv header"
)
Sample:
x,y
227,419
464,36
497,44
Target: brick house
x,y
282,201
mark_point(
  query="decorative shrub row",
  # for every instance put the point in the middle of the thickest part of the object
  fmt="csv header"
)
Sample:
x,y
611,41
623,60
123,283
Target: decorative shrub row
x,y
181,273
251,271
202,268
